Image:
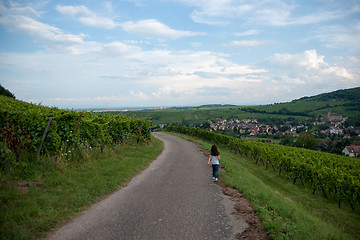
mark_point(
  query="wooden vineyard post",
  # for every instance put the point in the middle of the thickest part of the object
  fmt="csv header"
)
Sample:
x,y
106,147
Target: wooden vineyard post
x,y
140,129
43,137
110,126
280,169
93,138
9,169
8,165
75,129
77,123
102,147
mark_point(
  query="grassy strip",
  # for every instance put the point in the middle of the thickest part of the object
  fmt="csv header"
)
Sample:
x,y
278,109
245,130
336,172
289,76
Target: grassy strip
x,y
61,193
288,211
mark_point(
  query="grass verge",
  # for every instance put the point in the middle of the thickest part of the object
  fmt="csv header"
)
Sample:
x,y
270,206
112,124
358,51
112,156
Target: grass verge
x,y
288,211
31,209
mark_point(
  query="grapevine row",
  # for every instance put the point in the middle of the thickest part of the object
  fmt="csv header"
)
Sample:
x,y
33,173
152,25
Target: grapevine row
x,y
331,174
22,127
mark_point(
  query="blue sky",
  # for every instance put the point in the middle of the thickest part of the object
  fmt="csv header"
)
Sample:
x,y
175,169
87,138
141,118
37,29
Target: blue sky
x,y
137,53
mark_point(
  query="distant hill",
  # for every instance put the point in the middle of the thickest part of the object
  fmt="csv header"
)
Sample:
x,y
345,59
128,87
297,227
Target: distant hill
x,y
216,105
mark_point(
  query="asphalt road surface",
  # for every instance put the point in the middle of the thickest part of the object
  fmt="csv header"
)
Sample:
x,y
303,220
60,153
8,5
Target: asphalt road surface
x,y
174,198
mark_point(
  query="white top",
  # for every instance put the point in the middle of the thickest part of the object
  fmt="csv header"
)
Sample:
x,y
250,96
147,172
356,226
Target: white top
x,y
214,160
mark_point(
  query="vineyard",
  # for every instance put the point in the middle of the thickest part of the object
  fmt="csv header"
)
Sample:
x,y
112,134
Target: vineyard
x,y
333,175
38,131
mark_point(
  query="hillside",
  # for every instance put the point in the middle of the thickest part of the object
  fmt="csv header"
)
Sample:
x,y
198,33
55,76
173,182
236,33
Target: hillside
x,y
55,163
345,102
5,92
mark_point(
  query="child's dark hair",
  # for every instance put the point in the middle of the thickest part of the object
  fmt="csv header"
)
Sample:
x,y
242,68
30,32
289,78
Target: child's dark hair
x,y
214,151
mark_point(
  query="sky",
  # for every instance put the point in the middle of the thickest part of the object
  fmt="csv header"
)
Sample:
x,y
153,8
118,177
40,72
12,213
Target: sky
x,y
160,53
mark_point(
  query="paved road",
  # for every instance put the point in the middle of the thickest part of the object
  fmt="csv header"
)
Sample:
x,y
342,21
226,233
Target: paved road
x,y
174,198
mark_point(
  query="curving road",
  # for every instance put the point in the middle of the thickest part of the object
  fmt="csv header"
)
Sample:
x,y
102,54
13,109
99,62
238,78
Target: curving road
x,y
174,198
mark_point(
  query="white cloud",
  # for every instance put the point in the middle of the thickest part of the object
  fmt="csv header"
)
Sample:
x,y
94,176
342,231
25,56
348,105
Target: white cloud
x,y
291,81
56,38
13,20
354,59
73,10
249,32
155,29
116,49
245,43
98,22
139,77
134,77
137,42
87,17
309,67
165,91
284,16
84,100
140,95
17,9
215,12
340,36
262,12
151,28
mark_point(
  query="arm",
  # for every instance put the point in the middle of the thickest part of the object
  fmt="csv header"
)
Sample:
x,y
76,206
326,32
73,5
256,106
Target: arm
x,y
209,159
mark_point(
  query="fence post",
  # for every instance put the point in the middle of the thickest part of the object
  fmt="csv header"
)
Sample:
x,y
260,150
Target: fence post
x,y
77,123
43,137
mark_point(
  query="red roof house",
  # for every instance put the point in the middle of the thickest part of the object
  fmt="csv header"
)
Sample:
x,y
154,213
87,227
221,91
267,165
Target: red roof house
x,y
352,151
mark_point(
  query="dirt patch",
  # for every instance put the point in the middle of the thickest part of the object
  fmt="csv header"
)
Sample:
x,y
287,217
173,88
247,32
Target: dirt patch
x,y
243,211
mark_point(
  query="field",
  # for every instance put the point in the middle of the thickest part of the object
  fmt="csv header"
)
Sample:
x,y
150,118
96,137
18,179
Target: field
x,y
201,115
345,102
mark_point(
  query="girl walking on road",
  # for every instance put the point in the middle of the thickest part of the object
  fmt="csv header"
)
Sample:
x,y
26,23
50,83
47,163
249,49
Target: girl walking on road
x,y
214,158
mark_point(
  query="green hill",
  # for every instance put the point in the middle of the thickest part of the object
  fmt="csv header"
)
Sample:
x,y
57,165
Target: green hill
x,y
345,102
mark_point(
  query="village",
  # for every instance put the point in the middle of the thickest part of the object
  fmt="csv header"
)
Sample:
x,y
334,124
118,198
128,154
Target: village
x,y
252,127
329,127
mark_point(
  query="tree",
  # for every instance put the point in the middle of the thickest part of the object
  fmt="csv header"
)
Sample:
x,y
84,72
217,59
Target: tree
x,y
287,140
205,125
323,127
5,92
352,121
284,128
306,140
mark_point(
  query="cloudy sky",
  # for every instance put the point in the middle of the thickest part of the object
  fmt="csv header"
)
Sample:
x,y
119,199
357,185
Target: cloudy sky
x,y
142,53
